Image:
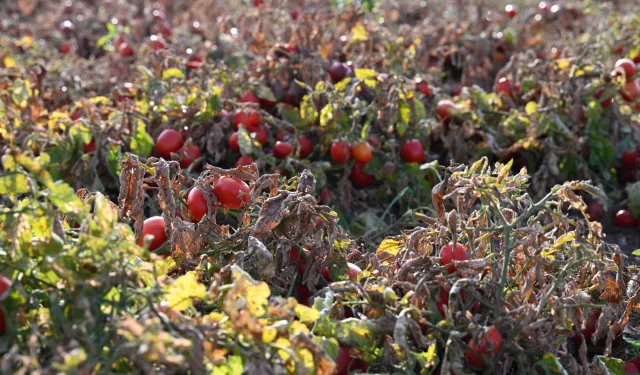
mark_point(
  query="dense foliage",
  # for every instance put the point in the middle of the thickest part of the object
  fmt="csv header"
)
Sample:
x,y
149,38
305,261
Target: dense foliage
x,y
381,187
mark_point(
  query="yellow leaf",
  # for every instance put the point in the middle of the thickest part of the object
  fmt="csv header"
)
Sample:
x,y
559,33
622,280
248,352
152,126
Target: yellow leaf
x,y
286,344
307,314
389,248
9,62
269,334
296,327
99,100
184,290
563,63
359,34
257,298
531,108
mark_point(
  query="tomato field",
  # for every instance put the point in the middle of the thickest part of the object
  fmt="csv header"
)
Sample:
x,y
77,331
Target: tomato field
x,y
319,187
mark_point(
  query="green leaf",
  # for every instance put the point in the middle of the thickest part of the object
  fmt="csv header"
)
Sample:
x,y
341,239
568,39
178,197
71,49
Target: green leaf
x,y
265,93
420,112
142,143
63,197
631,341
633,192
172,73
14,183
368,76
181,293
550,364
349,332
290,114
615,365
245,141
21,92
113,160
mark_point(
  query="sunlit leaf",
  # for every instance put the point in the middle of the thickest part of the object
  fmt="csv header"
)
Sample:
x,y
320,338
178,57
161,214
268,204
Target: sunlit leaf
x,y
142,143
181,293
65,198
359,34
306,314
172,73
389,248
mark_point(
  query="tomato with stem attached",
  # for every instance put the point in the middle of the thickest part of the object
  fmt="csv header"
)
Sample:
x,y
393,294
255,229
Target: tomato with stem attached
x,y
448,254
232,193
153,226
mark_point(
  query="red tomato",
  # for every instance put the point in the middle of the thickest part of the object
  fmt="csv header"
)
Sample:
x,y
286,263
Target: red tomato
x,y
445,109
353,271
326,274
359,177
282,149
630,368
443,302
305,146
168,141
511,10
250,120
261,135
125,50
197,204
629,159
487,344
361,152
294,256
233,142
448,255
231,192
338,71
504,87
605,103
65,48
624,219
303,295
412,151
630,91
90,147
153,226
244,160
157,42
5,287
594,210
423,87
67,27
250,98
626,66
191,154
340,152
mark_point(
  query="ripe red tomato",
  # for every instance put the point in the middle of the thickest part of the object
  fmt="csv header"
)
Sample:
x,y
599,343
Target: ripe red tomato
x,y
250,97
445,109
191,153
231,192
5,287
197,204
157,42
65,48
282,149
153,226
626,66
125,50
305,146
361,152
337,71
594,210
624,219
250,120
244,160
423,87
503,86
168,141
353,271
260,135
448,255
359,177
3,324
294,256
90,147
605,103
412,151
443,302
233,142
511,10
630,91
629,159
487,344
340,152
630,368
67,27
